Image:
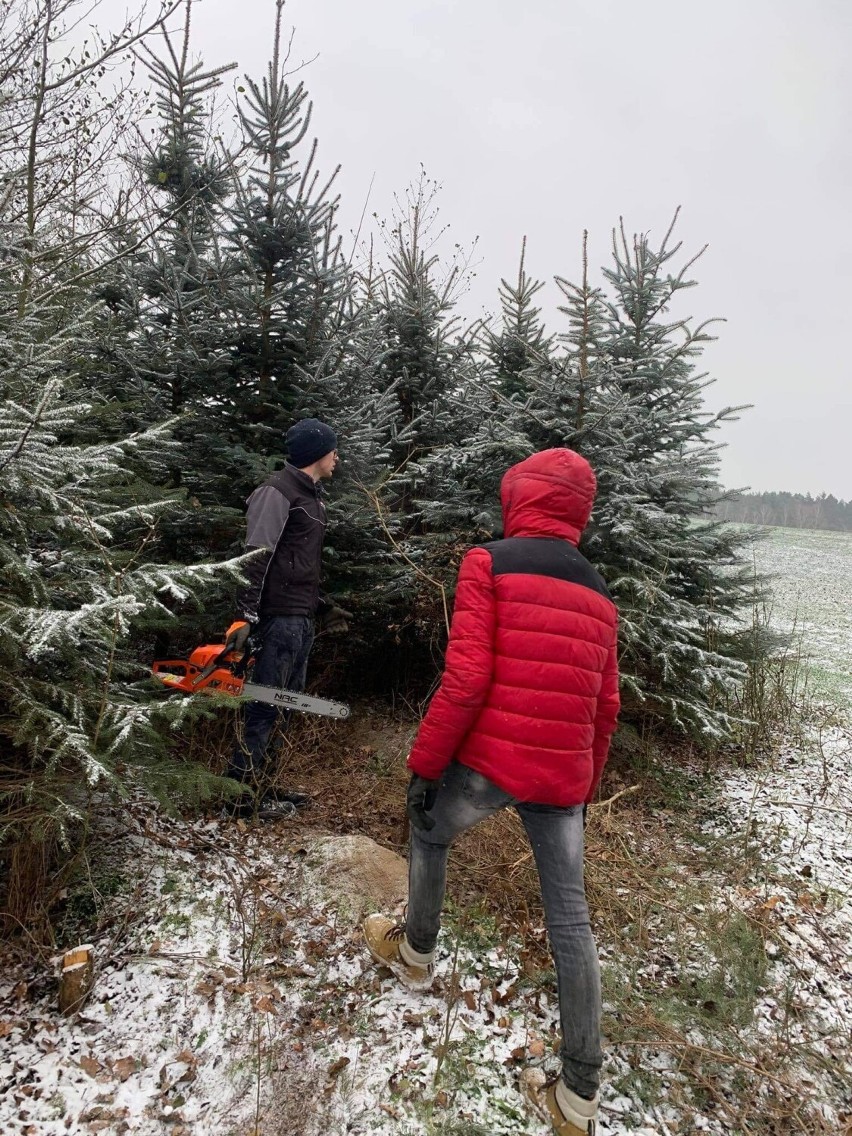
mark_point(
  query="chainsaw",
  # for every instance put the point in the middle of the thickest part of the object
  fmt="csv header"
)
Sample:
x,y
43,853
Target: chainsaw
x,y
216,668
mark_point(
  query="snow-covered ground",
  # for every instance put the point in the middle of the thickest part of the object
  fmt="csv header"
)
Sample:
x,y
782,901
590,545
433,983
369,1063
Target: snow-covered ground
x,y
234,1001
207,1021
794,816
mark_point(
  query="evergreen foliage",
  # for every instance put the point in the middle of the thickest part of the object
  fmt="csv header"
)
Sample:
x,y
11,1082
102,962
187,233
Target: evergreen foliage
x,y
428,362
676,572
75,584
155,348
621,387
427,369
77,521
626,394
521,342
171,358
287,276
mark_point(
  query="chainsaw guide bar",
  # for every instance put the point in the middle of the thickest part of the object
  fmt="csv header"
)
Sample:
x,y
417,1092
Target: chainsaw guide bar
x,y
210,670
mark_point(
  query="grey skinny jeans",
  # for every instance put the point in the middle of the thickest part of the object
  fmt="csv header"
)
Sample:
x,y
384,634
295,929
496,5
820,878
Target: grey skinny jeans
x,y
466,797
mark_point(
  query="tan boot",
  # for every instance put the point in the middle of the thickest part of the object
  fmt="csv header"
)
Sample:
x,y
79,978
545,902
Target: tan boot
x,y
554,1102
388,945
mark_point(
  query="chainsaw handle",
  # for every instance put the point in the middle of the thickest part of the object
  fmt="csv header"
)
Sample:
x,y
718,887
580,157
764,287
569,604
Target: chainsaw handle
x,y
230,647
238,635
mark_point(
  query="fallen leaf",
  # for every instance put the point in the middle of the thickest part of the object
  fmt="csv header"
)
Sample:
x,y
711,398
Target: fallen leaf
x,y
469,999
537,1048
6,1028
264,1005
501,999
337,1066
123,1067
154,947
206,988
90,1065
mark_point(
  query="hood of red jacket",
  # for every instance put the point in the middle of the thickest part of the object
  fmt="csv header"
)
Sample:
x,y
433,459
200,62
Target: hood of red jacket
x,y
548,495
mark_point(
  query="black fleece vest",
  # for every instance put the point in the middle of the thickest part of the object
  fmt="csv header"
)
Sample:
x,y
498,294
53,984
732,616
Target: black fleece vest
x,y
291,584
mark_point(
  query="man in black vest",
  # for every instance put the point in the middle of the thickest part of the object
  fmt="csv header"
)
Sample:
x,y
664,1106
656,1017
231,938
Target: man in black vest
x,y
286,519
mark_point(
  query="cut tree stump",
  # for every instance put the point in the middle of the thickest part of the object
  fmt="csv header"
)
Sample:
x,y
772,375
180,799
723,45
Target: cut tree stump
x,y
75,982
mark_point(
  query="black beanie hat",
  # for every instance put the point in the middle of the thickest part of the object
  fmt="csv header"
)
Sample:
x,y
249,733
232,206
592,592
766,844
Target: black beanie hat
x,y
308,441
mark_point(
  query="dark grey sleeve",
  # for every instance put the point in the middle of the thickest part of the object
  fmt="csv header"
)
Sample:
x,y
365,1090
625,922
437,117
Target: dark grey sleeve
x,y
268,510
266,519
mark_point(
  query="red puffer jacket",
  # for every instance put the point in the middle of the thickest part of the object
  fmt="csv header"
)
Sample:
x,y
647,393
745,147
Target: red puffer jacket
x,y
529,694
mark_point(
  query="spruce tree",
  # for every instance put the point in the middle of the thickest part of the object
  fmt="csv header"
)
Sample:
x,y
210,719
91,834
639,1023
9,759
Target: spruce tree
x,y
428,367
78,723
621,387
74,716
520,340
163,325
76,586
675,572
288,281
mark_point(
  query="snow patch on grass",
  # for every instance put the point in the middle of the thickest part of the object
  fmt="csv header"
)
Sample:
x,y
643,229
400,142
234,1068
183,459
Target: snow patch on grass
x,y
810,574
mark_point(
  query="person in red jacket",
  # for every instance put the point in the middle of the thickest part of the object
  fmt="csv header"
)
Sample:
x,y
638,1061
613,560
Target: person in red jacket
x,y
523,717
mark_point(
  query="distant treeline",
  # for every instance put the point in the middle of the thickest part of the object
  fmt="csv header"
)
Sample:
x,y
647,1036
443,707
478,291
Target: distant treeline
x,y
791,510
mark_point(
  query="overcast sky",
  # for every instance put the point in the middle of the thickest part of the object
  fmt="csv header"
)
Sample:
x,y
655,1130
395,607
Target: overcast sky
x,y
545,117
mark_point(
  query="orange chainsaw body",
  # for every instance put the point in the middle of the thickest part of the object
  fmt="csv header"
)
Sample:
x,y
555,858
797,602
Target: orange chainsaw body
x,y
201,671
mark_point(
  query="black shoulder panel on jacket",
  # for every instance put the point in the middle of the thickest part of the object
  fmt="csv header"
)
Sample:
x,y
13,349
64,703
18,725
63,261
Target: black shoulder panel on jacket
x,y
283,481
541,556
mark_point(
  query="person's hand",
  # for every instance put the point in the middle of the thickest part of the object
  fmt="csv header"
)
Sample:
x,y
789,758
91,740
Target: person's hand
x,y
335,620
237,636
419,800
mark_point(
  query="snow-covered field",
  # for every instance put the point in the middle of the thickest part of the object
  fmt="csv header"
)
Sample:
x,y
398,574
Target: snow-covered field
x,y
231,1000
812,597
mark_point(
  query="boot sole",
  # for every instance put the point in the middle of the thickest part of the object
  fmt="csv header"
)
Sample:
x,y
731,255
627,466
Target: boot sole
x,y
419,986
533,1088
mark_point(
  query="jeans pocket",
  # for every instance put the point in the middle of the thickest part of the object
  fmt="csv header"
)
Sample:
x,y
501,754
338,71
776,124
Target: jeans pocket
x,y
482,793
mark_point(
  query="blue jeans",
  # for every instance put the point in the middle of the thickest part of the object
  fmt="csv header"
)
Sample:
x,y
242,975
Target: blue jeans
x,y
280,661
466,797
